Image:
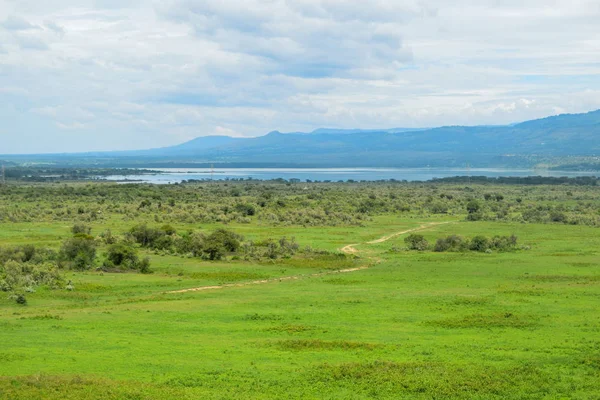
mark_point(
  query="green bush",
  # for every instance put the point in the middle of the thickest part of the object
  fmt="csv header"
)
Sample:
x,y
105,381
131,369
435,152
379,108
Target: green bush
x,y
122,255
144,266
168,230
144,235
479,243
15,275
473,206
79,252
246,209
504,243
416,242
81,228
21,299
228,239
450,243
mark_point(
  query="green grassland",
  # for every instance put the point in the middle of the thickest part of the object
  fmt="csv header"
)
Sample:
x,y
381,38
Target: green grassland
x,y
520,324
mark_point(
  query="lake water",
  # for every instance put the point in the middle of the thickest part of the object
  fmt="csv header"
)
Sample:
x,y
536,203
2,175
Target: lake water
x,y
173,175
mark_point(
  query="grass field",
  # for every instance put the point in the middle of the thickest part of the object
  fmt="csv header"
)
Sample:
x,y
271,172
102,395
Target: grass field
x,y
417,325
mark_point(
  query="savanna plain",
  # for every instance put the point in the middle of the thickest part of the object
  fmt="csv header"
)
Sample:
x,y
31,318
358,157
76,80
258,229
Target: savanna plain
x,y
264,290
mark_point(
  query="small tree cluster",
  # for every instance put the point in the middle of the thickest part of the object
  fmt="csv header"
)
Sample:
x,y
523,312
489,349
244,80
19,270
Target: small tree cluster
x,y
123,256
270,248
474,211
214,246
78,252
478,243
416,242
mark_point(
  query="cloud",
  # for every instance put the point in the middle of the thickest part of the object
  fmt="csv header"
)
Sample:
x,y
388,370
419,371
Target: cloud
x,y
300,39
14,23
53,26
107,74
31,43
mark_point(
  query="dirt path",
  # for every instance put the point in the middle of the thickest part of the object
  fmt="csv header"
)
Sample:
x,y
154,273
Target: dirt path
x,y
283,278
348,249
420,228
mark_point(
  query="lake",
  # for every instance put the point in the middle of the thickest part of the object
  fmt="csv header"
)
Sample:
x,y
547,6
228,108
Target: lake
x,y
175,175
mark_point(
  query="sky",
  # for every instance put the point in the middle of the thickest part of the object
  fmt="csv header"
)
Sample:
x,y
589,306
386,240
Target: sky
x,y
86,75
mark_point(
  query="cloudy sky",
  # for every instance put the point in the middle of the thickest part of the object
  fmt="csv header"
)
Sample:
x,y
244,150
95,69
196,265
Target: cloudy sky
x,y
126,74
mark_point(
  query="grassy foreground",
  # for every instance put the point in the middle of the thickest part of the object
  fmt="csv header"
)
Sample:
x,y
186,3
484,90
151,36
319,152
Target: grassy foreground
x,y
414,325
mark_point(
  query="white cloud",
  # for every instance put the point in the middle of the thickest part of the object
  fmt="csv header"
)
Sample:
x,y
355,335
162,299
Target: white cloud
x,y
91,74
15,23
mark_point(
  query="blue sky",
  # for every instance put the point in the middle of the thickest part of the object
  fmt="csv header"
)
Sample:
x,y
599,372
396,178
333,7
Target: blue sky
x,y
79,75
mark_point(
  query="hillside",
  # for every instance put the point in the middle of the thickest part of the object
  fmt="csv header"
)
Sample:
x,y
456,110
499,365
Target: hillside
x,y
519,145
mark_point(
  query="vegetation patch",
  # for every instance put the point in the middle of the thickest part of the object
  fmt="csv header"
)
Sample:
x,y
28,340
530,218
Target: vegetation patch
x,y
76,387
323,345
44,317
471,300
262,317
456,243
11,357
291,328
525,292
592,361
325,260
563,278
228,276
428,380
92,287
342,281
497,320
583,264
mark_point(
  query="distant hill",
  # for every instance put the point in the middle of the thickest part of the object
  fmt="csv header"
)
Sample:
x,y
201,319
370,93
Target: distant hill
x,y
518,145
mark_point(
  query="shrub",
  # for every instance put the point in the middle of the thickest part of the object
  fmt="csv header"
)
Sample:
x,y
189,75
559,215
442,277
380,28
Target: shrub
x,y
473,206
168,230
557,216
144,235
144,266
504,243
450,243
416,242
16,275
81,229
438,208
479,243
21,299
474,210
246,209
26,253
108,237
229,239
122,255
79,251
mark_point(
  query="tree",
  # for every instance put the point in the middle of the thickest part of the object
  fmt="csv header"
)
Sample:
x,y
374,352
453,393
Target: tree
x,y
79,251
81,228
121,254
220,242
229,239
473,206
479,243
144,235
416,242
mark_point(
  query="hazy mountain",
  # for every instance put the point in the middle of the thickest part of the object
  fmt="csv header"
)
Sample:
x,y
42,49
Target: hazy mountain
x,y
202,143
514,145
559,136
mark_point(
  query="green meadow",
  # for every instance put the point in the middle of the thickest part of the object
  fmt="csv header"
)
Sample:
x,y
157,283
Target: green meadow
x,y
395,323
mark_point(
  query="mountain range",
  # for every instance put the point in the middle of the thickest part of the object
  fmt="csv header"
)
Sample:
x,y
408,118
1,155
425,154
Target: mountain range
x,y
561,137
